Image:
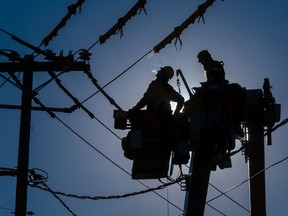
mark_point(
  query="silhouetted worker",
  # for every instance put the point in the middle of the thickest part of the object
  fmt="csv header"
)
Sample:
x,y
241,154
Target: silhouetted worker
x,y
215,139
157,123
160,93
214,69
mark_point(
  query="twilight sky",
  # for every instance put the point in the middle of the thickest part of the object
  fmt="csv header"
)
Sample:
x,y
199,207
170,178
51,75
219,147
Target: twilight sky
x,y
250,37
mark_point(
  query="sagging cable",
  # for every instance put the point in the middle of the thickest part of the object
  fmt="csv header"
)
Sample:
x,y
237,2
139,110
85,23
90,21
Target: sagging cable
x,y
94,81
199,13
71,11
75,100
118,27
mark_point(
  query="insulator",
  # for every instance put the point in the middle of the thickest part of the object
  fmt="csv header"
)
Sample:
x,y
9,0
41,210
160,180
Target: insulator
x,y
85,55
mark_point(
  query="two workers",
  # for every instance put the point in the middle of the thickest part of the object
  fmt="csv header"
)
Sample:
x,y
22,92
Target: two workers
x,y
160,93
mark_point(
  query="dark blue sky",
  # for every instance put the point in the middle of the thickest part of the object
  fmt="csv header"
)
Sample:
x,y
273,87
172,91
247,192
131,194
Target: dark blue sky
x,y
249,36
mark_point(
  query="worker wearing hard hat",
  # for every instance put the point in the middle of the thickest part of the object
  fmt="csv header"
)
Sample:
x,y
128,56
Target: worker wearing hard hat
x,y
214,69
160,93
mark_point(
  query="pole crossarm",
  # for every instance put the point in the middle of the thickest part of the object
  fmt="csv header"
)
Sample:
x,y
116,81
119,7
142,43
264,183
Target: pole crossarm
x,y
8,172
28,66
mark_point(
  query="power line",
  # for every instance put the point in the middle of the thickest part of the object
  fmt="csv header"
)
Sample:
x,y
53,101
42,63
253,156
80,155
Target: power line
x,y
160,188
118,76
227,196
118,27
75,100
13,210
71,11
183,177
273,129
199,13
237,203
54,116
139,5
106,157
251,142
216,209
4,208
7,79
93,147
241,183
94,81
58,198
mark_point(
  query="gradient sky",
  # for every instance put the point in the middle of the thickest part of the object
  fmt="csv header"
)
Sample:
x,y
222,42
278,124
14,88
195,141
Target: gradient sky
x,y
249,36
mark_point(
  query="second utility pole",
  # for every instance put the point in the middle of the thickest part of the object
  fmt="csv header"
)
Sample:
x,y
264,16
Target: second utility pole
x,y
24,139
28,66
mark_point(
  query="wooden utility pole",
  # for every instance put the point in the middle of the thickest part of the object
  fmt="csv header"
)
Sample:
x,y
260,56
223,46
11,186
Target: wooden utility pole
x,y
28,66
256,153
24,139
260,111
199,182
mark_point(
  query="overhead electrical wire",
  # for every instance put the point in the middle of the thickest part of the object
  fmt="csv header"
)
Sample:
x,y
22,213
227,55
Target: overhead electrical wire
x,y
237,203
12,56
175,181
68,92
7,79
94,81
150,51
18,82
118,27
5,208
162,187
278,126
118,76
74,99
216,209
241,183
181,174
72,9
58,198
54,116
251,142
114,163
199,13
132,12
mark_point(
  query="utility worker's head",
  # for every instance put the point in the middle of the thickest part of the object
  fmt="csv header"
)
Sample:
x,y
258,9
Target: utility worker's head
x,y
204,56
165,73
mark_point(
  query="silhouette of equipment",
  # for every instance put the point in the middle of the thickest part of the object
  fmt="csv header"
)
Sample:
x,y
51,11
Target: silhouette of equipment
x,y
216,114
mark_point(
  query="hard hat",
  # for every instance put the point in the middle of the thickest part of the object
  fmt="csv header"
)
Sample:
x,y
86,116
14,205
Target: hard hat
x,y
204,54
167,71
